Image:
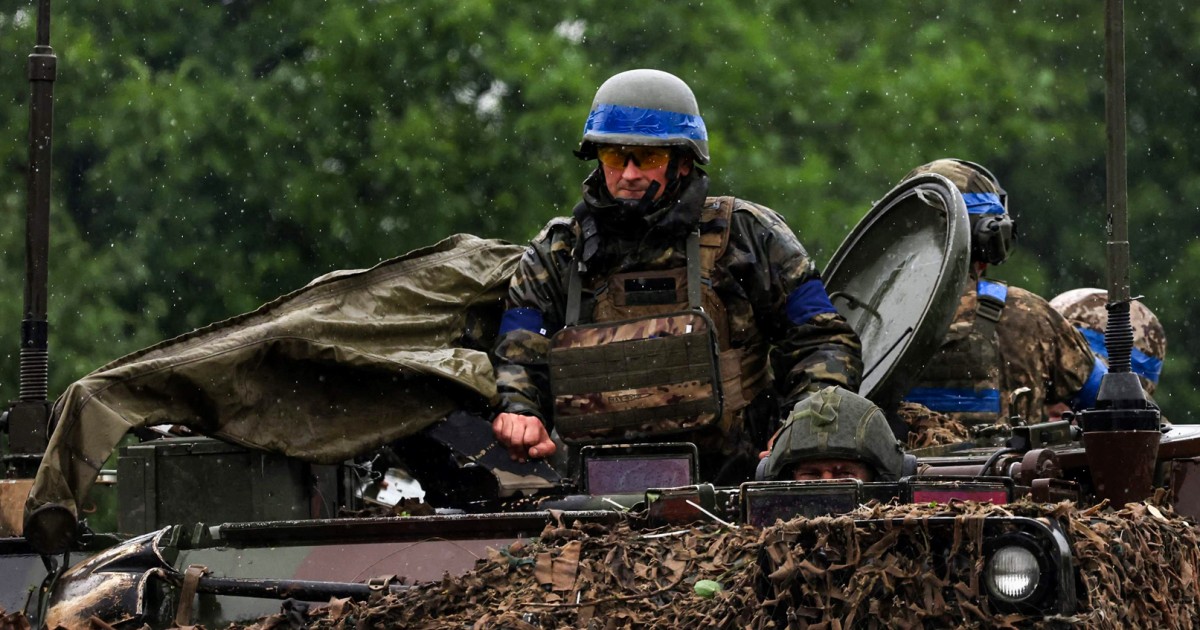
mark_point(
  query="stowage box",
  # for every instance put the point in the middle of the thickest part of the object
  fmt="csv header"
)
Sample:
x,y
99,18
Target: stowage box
x,y
202,480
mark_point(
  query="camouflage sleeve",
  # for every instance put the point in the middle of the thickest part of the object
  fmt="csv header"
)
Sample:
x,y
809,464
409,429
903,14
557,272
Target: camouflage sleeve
x,y
1075,371
1044,352
814,346
536,302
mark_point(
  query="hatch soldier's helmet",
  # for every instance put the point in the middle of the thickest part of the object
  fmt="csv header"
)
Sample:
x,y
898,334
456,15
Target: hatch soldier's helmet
x,y
835,423
645,108
1087,310
993,232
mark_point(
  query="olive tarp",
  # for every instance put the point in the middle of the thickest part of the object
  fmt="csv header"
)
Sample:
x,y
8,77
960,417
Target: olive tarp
x,y
351,361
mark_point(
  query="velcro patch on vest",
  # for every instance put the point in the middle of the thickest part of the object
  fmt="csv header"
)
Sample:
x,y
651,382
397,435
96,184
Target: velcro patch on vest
x,y
635,378
642,291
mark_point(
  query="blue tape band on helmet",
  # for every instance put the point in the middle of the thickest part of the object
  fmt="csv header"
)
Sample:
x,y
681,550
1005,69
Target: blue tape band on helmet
x,y
807,301
638,121
1086,398
956,400
1146,366
998,290
522,318
983,203
1142,364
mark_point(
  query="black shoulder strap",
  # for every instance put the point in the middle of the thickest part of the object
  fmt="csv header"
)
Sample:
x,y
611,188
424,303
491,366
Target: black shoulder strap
x,y
693,270
574,293
990,299
575,284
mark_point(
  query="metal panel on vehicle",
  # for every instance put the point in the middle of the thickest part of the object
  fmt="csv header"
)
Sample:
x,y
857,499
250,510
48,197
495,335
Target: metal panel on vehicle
x,y
201,480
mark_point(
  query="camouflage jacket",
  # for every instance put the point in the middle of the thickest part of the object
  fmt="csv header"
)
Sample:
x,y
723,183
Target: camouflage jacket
x,y
758,277
1038,349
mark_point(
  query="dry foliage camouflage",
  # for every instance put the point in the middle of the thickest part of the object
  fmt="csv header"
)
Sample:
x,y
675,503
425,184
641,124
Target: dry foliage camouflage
x,y
871,569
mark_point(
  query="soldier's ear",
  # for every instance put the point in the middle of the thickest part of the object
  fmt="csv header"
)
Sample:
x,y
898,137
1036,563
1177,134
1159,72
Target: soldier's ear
x,y
685,165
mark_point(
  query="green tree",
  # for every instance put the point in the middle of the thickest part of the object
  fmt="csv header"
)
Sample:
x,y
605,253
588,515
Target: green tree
x,y
210,156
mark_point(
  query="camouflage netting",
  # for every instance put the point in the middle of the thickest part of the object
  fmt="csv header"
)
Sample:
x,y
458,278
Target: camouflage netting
x,y
930,428
1137,568
14,621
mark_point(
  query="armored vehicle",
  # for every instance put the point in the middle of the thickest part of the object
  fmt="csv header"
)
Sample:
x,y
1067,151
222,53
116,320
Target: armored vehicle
x,y
287,457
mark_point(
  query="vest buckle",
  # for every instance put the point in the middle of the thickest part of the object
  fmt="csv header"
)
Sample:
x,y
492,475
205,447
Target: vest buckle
x,y
989,307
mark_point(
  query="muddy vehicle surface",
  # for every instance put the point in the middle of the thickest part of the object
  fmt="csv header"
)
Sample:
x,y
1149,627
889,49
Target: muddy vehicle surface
x,y
235,508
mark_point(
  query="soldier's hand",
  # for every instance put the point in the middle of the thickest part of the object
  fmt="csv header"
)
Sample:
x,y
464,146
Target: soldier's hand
x,y
525,436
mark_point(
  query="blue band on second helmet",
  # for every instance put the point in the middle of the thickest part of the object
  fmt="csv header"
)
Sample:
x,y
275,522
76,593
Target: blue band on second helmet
x,y
1086,398
638,121
983,203
998,290
807,301
956,399
1142,364
522,319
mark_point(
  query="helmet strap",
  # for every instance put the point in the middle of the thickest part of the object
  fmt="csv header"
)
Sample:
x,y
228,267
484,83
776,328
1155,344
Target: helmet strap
x,y
647,200
673,168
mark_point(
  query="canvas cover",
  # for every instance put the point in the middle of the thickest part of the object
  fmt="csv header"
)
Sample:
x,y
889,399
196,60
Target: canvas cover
x,y
353,360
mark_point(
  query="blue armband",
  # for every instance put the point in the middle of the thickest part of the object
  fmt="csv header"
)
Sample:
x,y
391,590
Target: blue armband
x,y
956,400
807,301
522,318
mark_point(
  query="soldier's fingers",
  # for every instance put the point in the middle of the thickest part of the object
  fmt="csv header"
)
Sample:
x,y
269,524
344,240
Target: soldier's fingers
x,y
531,431
545,448
500,427
508,427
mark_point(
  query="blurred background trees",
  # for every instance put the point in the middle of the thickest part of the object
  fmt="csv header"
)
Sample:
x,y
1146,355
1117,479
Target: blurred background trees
x,y
210,156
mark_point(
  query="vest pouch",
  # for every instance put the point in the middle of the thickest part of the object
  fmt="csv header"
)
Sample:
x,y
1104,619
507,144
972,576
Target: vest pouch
x,y
637,378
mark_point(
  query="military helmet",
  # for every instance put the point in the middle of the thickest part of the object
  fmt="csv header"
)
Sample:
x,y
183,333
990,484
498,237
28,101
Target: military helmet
x,y
993,232
645,108
1087,310
836,423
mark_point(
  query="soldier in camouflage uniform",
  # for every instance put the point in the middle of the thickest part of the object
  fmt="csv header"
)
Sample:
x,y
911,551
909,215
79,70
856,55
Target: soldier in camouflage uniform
x,y
644,218
1086,310
1002,338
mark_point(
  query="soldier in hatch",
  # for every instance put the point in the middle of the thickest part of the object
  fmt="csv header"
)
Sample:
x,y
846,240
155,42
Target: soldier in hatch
x,y
1002,338
646,241
1086,310
836,434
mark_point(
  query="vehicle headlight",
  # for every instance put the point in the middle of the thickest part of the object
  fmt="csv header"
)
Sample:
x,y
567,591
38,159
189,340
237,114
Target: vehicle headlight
x,y
1012,574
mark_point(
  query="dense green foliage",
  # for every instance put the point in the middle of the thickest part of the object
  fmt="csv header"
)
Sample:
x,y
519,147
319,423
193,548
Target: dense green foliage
x,y
212,155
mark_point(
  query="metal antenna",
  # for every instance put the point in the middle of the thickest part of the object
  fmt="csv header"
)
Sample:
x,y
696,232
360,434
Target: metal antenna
x,y
1121,435
29,416
1118,335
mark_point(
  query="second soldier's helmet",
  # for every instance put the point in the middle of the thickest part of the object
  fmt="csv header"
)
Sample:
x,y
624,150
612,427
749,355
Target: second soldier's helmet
x,y
835,423
993,232
645,108
1087,310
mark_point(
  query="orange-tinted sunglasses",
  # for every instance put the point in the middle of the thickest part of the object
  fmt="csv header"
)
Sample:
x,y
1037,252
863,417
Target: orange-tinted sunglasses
x,y
617,156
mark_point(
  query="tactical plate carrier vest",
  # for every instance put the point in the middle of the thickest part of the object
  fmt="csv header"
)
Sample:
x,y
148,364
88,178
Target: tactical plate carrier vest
x,y
962,379
657,360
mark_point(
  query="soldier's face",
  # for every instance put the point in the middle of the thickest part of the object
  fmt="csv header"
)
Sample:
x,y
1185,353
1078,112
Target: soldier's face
x,y
831,469
629,171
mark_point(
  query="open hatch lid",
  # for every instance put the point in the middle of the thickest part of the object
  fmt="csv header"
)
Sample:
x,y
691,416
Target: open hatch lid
x,y
897,279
